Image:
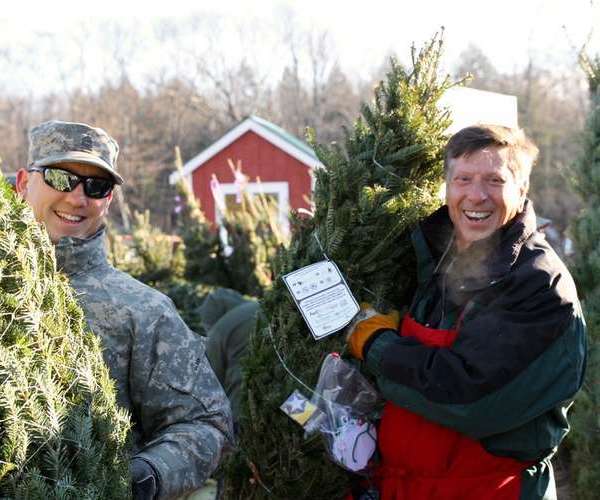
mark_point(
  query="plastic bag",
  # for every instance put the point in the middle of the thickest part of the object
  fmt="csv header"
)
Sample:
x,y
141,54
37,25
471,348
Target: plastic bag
x,y
347,403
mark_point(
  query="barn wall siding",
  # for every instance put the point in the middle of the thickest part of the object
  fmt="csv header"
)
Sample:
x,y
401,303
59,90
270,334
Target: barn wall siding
x,y
259,158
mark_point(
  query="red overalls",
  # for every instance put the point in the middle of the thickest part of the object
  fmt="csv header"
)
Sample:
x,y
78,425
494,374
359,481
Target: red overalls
x,y
421,460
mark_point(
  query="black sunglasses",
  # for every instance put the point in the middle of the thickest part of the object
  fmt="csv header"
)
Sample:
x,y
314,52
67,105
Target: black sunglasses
x,y
65,181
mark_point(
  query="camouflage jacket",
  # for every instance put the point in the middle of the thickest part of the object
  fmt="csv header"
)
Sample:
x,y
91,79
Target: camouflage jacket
x,y
181,416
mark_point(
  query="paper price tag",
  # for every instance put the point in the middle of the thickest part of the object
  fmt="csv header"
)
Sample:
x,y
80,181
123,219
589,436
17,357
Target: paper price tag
x,y
323,297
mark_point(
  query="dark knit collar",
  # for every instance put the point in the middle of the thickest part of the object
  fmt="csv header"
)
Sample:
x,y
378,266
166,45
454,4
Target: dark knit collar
x,y
75,255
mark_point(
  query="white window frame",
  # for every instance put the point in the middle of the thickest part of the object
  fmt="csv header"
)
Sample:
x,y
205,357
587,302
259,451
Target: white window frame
x,y
281,189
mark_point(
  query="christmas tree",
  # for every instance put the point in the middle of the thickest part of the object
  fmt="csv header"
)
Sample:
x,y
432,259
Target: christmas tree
x,y
62,435
188,266
367,199
147,254
158,259
241,260
585,436
253,237
204,257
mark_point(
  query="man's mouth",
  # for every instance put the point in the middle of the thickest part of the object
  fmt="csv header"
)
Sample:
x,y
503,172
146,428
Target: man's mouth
x,y
70,218
476,216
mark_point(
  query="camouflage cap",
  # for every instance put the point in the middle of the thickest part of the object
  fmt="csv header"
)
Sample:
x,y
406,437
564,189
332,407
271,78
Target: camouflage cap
x,y
55,142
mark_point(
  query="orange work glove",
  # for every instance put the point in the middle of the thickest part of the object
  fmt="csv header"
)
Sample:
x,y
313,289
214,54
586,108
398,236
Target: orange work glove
x,y
367,322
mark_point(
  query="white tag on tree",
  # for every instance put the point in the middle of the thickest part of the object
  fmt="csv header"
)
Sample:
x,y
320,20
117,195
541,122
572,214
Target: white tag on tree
x,y
323,297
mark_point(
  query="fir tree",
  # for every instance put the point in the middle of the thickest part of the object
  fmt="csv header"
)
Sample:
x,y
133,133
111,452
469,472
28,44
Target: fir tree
x,y
253,236
62,435
147,254
188,267
585,436
204,258
367,199
158,259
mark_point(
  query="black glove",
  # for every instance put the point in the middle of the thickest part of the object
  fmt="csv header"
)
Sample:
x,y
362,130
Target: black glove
x,y
144,481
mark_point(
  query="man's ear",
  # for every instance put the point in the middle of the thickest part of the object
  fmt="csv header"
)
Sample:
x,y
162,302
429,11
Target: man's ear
x,y
108,200
22,182
524,191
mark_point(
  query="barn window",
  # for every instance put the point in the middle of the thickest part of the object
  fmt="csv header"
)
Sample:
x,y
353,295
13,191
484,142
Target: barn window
x,y
278,192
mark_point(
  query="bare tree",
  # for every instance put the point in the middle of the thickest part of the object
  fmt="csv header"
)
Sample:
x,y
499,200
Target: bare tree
x,y
237,82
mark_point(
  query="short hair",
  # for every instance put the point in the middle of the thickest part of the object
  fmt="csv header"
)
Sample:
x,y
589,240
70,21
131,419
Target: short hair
x,y
522,152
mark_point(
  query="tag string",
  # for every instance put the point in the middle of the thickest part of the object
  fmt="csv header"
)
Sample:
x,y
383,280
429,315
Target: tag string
x,y
387,171
320,246
285,367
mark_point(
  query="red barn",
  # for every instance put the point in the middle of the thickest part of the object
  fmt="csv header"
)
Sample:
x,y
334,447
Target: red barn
x,y
274,162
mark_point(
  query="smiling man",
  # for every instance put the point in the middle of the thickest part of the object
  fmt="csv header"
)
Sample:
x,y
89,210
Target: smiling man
x,y
483,193
479,374
181,417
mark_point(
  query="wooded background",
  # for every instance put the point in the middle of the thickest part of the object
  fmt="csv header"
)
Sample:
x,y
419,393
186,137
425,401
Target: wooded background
x,y
197,91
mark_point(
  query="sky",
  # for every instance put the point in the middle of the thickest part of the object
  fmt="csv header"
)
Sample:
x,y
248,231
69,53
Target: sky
x,y
510,32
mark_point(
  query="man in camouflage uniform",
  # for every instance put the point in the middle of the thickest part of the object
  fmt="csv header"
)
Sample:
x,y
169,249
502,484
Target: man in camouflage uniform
x,y
181,417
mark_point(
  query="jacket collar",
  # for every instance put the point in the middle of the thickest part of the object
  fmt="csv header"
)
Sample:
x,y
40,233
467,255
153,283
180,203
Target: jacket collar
x,y
76,256
486,260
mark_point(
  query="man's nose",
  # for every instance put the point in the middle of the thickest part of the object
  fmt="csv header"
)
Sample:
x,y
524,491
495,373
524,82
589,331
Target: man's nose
x,y
77,197
477,192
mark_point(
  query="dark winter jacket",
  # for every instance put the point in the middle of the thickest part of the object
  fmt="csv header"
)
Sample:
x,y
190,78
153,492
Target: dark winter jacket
x,y
519,357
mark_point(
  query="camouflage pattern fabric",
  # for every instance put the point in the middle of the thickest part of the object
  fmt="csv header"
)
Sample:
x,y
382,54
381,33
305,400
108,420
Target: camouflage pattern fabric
x,y
182,419
55,142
